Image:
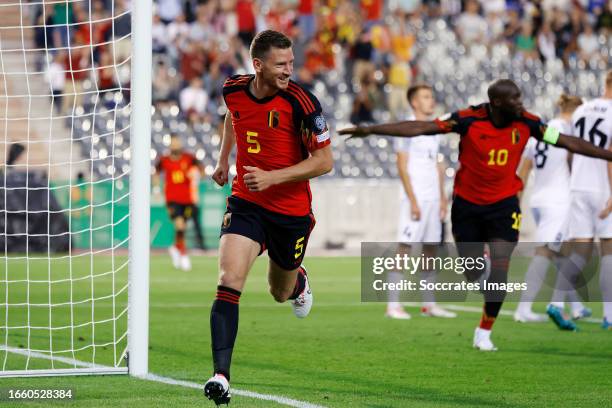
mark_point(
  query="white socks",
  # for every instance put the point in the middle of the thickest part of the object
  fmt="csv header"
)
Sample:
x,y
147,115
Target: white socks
x,y
536,273
605,282
394,295
429,298
566,278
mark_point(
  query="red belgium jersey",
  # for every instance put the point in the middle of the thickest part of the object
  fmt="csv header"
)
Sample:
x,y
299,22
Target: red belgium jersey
x,y
489,156
272,133
177,180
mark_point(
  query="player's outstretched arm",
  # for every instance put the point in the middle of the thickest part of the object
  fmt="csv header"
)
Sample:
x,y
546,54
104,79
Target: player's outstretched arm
x,y
220,174
579,146
320,162
409,128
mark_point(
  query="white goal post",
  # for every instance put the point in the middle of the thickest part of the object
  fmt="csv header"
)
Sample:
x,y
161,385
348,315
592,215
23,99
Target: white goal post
x,y
75,130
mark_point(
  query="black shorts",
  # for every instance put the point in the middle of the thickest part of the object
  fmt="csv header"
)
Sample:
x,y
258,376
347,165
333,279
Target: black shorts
x,y
284,236
180,210
484,223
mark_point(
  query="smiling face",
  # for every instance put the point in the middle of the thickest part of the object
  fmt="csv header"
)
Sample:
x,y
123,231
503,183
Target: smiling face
x,y
275,68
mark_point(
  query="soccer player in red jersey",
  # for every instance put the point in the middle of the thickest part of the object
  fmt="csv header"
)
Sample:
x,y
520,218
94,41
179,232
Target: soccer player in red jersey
x,y
178,167
485,207
282,141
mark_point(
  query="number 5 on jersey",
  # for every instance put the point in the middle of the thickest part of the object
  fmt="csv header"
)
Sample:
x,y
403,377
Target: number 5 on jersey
x,y
254,146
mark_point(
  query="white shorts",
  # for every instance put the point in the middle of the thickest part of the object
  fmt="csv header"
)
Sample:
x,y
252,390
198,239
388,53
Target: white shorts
x,y
584,221
427,229
551,223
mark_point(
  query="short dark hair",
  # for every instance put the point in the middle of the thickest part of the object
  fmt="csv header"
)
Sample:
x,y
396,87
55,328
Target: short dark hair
x,y
500,88
267,39
412,91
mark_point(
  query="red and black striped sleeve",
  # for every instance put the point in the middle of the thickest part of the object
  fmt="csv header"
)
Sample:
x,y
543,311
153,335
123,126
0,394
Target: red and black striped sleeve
x,y
308,117
535,124
460,121
235,83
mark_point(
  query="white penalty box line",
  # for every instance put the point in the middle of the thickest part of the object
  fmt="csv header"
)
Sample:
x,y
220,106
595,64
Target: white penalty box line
x,y
85,368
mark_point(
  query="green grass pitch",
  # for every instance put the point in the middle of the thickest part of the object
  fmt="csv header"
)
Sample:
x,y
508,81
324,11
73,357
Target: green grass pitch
x,y
345,354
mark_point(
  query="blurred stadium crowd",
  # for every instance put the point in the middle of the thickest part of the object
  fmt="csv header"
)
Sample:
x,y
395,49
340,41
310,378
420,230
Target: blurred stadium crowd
x,y
358,56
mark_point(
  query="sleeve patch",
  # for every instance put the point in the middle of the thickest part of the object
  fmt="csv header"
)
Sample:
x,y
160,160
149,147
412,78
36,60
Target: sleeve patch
x,y
323,137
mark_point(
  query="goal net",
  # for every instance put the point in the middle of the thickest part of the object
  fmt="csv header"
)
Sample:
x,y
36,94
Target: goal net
x,y
66,113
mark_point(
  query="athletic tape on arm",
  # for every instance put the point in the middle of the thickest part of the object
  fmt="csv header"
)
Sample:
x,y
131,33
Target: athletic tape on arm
x,y
551,135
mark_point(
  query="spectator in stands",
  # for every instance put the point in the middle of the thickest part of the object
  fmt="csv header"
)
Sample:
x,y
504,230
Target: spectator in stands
x,y
192,61
306,19
169,10
227,20
122,28
44,34
372,11
245,11
363,52
365,100
399,76
604,20
164,85
495,27
106,73
512,28
102,27
56,78
493,6
63,16
588,45
159,33
77,68
525,45
178,30
546,42
471,26
193,101
201,29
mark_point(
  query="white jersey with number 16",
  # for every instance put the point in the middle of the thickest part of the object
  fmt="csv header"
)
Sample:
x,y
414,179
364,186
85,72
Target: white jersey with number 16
x,y
592,122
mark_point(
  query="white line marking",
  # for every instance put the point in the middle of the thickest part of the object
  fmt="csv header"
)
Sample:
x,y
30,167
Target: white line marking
x,y
170,381
266,397
65,360
479,310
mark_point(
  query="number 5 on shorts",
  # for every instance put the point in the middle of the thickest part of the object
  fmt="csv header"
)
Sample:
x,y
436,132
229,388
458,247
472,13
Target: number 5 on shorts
x,y
517,220
299,247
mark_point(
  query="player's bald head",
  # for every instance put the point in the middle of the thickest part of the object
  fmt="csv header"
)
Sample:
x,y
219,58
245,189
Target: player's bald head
x,y
505,97
501,88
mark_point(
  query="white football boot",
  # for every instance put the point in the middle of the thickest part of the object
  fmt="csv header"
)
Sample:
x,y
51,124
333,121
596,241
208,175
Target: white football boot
x,y
527,316
396,311
437,311
303,303
175,255
185,263
482,340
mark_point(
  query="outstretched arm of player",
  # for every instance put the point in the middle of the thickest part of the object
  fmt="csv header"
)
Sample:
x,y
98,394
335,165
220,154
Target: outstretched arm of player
x,y
320,162
220,174
408,128
579,146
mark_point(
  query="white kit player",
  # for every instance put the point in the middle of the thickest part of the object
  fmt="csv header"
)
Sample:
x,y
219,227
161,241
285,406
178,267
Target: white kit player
x,y
550,206
591,206
423,204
